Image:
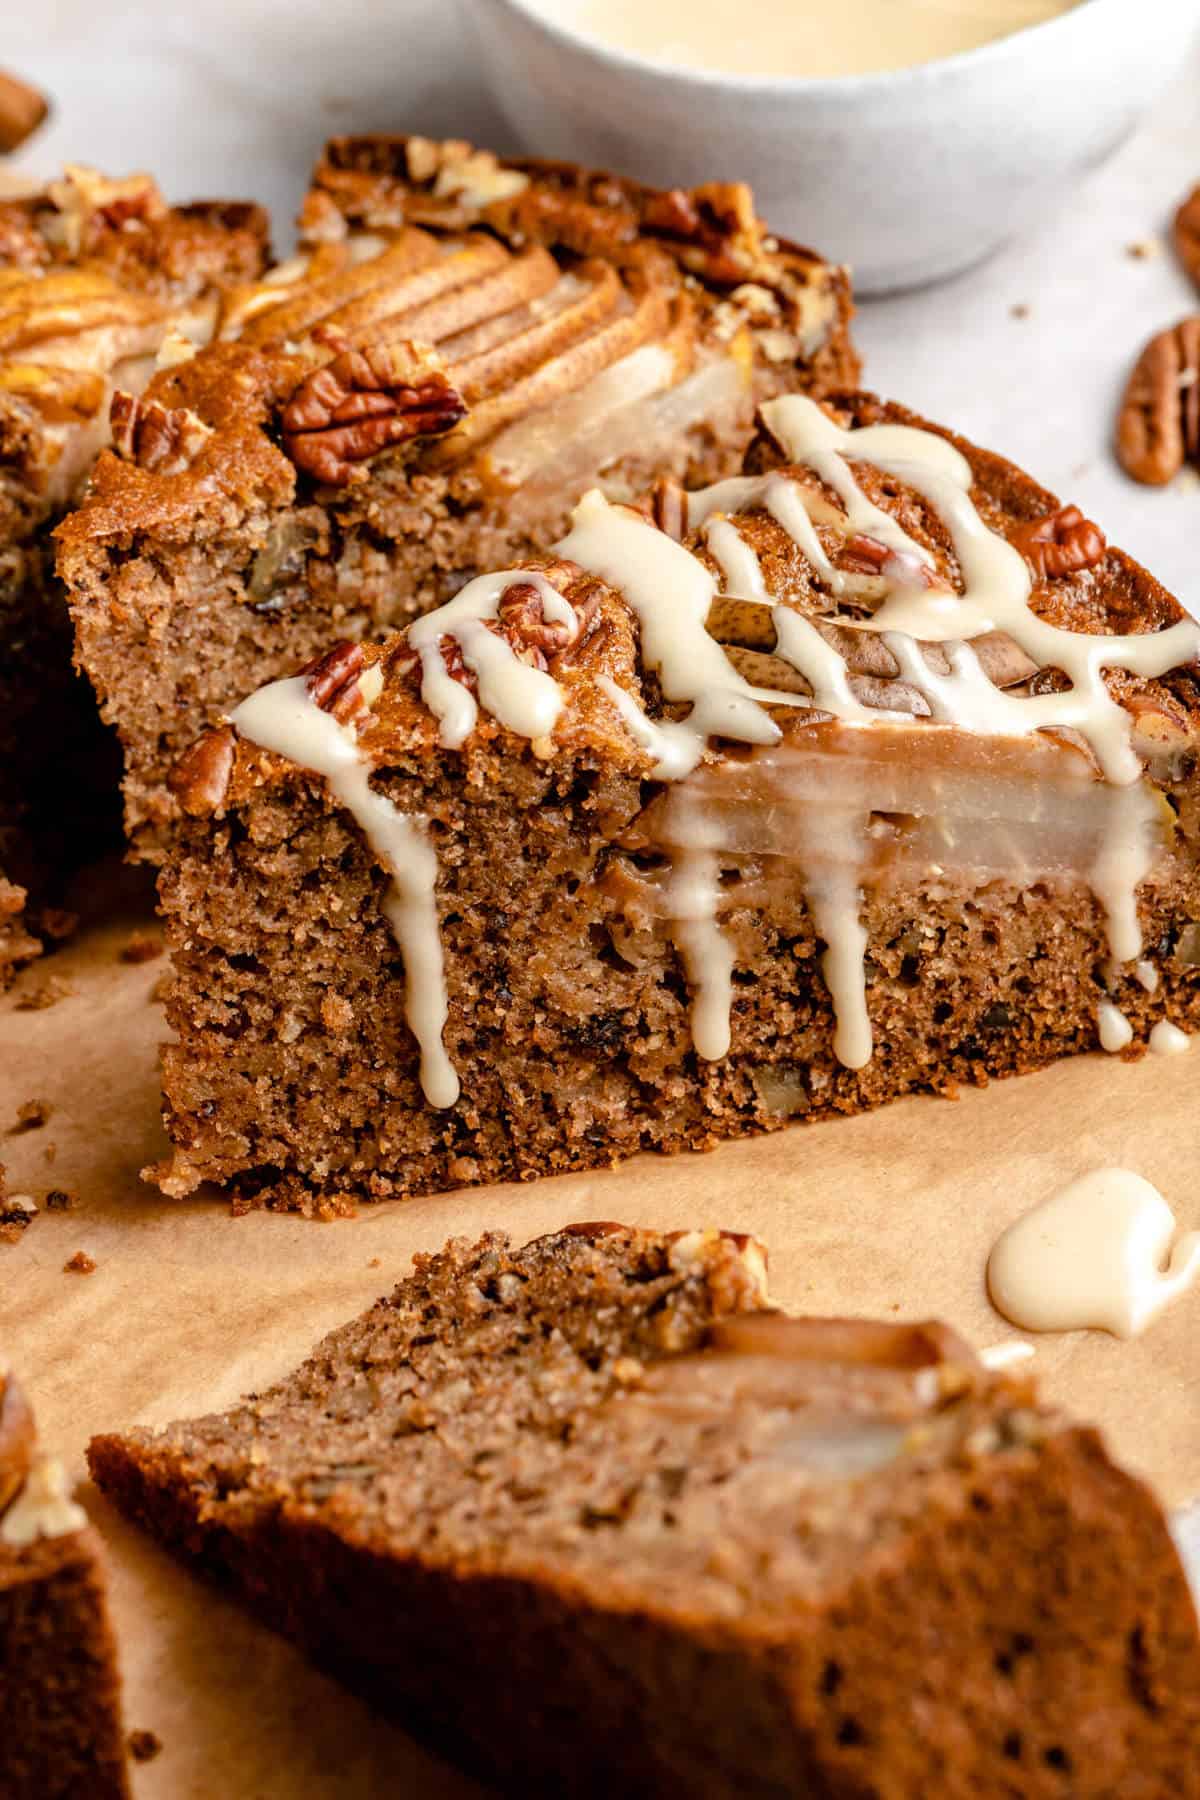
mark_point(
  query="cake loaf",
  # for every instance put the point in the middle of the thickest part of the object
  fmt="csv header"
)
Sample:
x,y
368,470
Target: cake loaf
x,y
60,1716
869,771
462,347
96,276
593,1520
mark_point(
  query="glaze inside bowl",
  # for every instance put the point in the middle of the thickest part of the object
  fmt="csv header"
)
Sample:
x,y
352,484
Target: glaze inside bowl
x,y
788,39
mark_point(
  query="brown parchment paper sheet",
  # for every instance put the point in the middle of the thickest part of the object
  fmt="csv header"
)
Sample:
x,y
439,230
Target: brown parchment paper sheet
x,y
891,1214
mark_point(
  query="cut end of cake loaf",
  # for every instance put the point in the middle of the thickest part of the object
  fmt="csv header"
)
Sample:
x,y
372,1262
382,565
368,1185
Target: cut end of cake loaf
x,y
96,277
60,1713
702,824
460,348
591,1517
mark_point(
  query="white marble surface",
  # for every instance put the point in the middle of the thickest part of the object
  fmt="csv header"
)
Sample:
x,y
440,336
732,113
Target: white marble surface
x,y
235,99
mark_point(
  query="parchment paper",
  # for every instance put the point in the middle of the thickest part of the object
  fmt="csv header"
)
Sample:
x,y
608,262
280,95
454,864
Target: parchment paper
x,y
891,1214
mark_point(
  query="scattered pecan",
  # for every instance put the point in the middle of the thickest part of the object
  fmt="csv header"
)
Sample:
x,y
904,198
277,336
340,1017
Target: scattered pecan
x,y
22,110
332,681
1062,543
1158,428
360,403
1185,234
164,439
200,779
144,1746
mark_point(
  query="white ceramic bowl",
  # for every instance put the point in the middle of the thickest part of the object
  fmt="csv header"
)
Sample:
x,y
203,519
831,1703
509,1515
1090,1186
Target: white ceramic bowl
x,y
908,175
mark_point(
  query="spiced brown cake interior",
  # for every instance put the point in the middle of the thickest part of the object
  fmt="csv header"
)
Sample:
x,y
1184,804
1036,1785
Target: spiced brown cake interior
x,y
95,276
883,780
60,1714
461,348
592,1519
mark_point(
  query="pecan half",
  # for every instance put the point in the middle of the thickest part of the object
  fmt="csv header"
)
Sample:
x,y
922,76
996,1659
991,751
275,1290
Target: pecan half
x,y
1060,544
332,681
1158,428
535,639
1185,234
164,439
361,403
200,779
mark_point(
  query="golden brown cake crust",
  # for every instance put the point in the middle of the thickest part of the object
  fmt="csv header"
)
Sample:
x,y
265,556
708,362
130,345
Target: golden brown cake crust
x,y
423,393
569,1002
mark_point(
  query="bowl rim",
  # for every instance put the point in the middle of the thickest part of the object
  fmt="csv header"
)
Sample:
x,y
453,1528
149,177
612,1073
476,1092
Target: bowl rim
x,y
680,75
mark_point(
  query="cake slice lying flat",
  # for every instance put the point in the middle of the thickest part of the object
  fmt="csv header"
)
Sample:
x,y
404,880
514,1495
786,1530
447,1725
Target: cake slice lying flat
x,y
461,350
60,1715
594,1521
95,275
645,843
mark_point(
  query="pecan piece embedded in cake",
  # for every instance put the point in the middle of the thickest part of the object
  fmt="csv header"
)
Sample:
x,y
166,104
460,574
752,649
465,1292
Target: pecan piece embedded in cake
x,y
166,439
1061,543
332,681
1158,428
200,778
365,401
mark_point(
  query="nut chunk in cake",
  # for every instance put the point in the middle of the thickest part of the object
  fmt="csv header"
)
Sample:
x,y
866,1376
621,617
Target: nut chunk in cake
x,y
595,1520
97,279
60,1716
461,348
871,770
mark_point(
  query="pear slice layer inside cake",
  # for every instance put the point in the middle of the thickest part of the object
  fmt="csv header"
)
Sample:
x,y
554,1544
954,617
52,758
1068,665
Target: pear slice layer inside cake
x,y
594,1520
871,770
461,348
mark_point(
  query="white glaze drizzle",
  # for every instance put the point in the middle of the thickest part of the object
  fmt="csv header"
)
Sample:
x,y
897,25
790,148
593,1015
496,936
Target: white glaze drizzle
x,y
670,591
1115,1029
1167,1039
283,717
1146,973
1096,1255
527,700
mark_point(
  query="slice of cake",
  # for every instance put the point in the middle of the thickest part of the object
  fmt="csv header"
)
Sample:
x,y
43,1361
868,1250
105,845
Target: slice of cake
x,y
60,1713
462,348
594,1521
95,277
883,779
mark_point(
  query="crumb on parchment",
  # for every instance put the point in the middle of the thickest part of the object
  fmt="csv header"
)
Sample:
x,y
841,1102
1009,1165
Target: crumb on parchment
x,y
79,1264
144,1746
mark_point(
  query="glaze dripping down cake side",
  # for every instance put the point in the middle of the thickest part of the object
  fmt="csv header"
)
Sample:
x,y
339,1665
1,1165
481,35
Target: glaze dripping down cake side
x,y
867,772
97,276
460,349
593,1519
